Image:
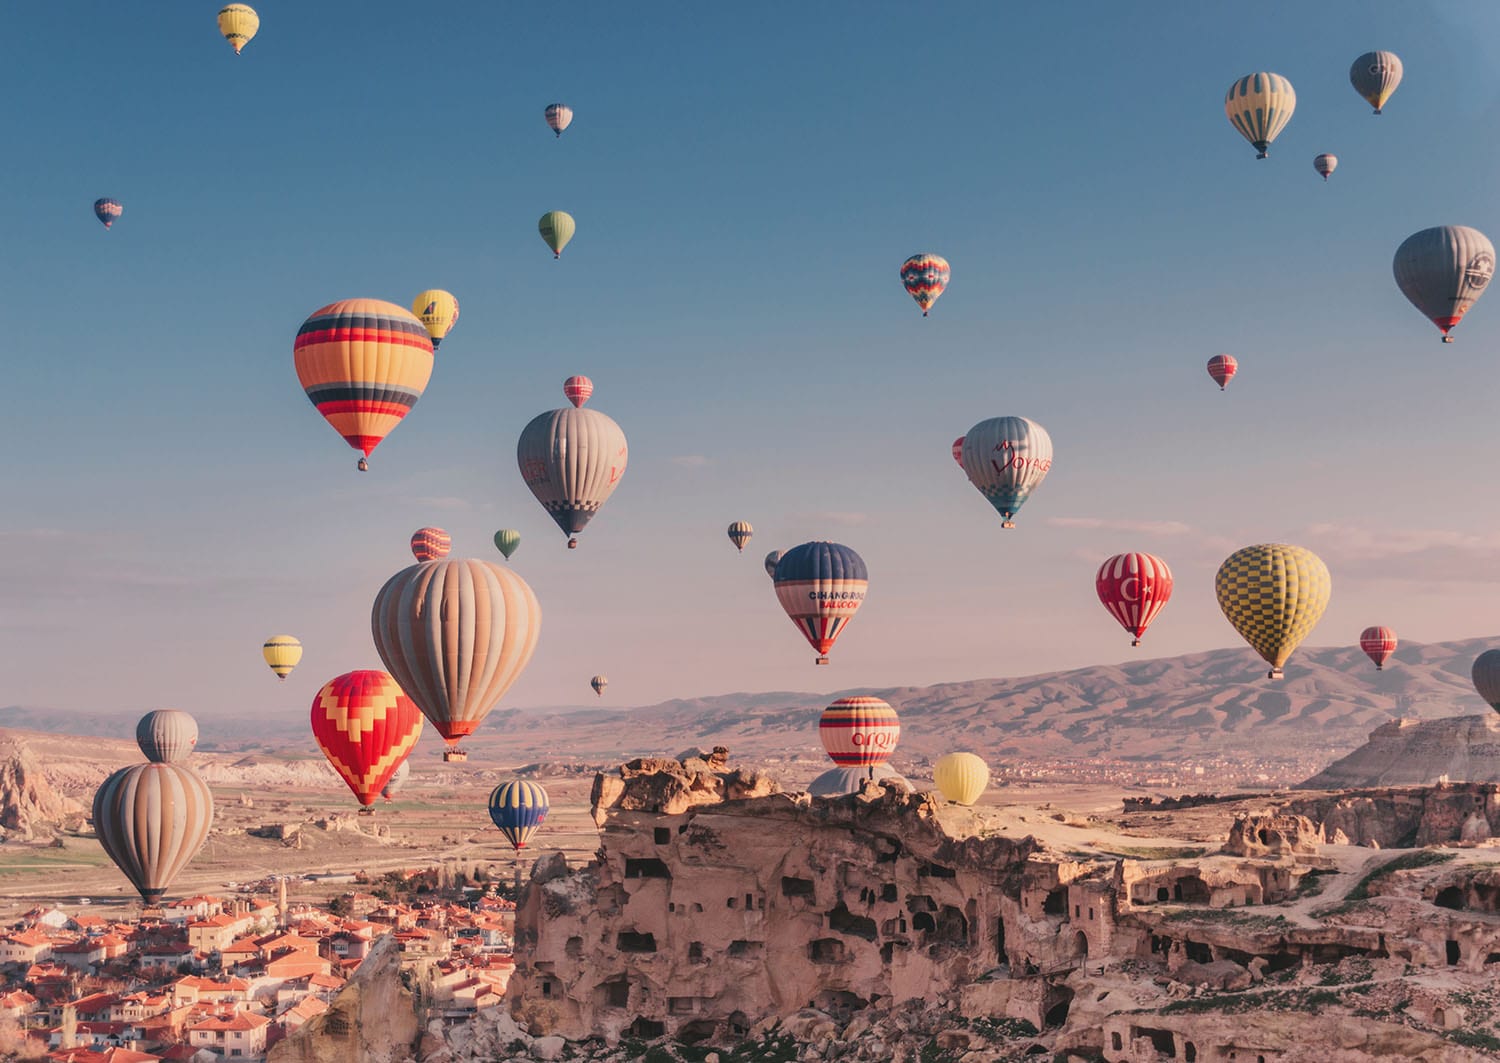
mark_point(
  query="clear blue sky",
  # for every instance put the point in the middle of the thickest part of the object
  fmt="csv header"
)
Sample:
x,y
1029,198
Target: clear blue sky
x,y
747,181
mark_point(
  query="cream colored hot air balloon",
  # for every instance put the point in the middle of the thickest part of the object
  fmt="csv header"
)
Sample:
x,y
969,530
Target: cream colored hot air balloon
x,y
1274,594
455,634
152,819
438,310
282,652
572,459
961,777
559,116
238,23
166,735
1006,459
1325,164
557,228
1259,106
740,533
1375,76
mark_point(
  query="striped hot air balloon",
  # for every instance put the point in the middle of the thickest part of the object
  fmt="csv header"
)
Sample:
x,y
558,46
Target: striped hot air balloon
x,y
1134,588
859,731
577,389
438,312
925,277
366,727
238,23
455,634
1222,368
1325,164
1274,594
429,544
572,460
740,533
364,363
772,560
166,735
107,211
519,809
1444,271
599,682
557,228
559,116
821,585
961,777
152,819
1259,106
1375,76
282,652
1378,643
958,451
1006,459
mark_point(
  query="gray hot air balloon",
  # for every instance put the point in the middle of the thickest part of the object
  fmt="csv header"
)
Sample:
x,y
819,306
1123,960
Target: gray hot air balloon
x,y
1006,458
771,559
396,781
1486,674
835,782
1444,271
572,459
166,735
1375,76
152,819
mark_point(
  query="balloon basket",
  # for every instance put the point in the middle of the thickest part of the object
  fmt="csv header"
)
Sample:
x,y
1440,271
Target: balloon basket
x,y
1275,673
1007,524
454,756
151,911
573,543
821,660
366,810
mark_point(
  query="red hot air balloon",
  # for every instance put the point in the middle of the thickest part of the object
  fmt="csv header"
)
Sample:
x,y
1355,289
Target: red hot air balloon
x,y
430,544
1378,643
1222,368
1134,588
958,451
859,732
578,389
366,727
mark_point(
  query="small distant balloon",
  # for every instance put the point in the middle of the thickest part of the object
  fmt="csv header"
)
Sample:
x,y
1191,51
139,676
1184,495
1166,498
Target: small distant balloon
x,y
107,211
430,544
772,559
599,682
519,809
577,390
506,541
166,735
740,533
557,229
1378,643
1325,164
1222,368
1259,106
1375,76
438,311
559,116
238,23
925,277
282,652
398,780
961,777
958,451
1444,271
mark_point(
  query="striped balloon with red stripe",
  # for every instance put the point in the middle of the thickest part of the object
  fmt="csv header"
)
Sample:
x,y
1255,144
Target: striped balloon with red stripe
x,y
1378,643
1222,368
1134,588
430,544
578,389
859,732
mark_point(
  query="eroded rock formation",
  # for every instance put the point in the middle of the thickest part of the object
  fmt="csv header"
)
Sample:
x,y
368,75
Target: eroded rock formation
x,y
1419,753
372,1020
28,803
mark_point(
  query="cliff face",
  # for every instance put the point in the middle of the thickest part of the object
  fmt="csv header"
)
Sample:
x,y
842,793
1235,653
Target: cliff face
x,y
27,799
1419,753
372,1020
1402,818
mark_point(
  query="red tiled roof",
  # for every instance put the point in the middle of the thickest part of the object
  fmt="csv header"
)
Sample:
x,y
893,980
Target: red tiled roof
x,y
241,1020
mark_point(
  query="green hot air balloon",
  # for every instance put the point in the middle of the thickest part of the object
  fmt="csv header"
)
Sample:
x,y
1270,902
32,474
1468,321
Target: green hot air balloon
x,y
557,229
506,541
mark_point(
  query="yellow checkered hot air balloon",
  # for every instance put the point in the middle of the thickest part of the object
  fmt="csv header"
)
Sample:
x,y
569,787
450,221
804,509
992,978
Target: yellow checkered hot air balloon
x,y
238,23
282,652
1274,595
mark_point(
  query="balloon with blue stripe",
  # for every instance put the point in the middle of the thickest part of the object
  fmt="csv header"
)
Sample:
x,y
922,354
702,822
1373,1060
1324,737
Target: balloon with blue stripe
x,y
518,809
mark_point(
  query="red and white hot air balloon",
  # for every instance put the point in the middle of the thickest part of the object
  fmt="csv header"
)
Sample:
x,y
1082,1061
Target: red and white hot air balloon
x,y
958,451
859,732
578,389
430,544
1378,643
1222,368
1134,588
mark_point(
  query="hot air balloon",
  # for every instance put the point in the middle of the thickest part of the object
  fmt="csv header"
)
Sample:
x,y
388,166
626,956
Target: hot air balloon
x,y
429,544
396,781
238,23
152,819
557,229
860,731
438,312
572,460
1134,588
282,652
1274,595
166,735
1486,676
821,585
836,781
1006,458
363,363
1325,164
599,682
740,533
365,726
518,809
1378,643
772,559
1444,271
578,389
958,451
107,211
1375,76
1222,368
455,634
506,541
925,277
559,116
961,777
1259,106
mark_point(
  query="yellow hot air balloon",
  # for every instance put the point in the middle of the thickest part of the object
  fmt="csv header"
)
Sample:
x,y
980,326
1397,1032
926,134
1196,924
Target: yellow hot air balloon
x,y
1273,594
557,229
961,777
238,23
438,310
282,652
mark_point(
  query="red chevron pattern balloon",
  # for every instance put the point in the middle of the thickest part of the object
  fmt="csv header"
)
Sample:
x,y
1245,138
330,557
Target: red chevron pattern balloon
x,y
430,544
926,277
365,726
1378,643
1134,588
859,732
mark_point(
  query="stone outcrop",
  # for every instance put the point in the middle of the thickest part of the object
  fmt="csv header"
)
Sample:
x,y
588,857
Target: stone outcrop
x,y
1402,818
28,803
1272,834
671,787
1419,753
372,1020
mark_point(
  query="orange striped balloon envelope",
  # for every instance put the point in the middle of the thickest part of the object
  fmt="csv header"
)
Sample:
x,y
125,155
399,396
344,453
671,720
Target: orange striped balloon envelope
x,y
456,634
365,726
859,732
429,544
364,363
